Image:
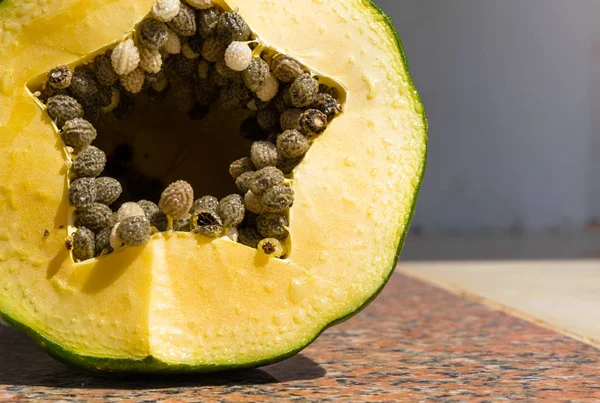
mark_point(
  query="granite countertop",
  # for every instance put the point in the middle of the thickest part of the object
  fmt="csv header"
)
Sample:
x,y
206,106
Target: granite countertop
x,y
415,343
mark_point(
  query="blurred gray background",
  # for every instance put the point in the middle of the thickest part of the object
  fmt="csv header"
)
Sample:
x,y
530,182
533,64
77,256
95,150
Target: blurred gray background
x,y
512,90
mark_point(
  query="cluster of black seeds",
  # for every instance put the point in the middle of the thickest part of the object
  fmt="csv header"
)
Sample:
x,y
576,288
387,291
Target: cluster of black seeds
x,y
202,57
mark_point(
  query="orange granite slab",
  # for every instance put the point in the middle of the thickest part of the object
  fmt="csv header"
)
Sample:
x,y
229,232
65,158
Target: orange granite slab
x,y
415,343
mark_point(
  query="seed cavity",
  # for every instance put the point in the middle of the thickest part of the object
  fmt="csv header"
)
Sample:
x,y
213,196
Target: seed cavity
x,y
199,55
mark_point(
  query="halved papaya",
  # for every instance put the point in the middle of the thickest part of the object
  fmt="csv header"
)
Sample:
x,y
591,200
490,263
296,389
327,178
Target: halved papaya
x,y
273,272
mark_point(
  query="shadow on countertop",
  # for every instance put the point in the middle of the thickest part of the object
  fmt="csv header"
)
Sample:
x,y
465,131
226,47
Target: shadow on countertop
x,y
22,363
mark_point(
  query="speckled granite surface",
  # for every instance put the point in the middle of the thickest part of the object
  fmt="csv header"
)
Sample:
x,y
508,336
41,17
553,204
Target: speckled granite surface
x,y
416,343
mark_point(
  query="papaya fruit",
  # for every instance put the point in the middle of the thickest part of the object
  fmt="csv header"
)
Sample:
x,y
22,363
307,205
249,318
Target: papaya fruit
x,y
200,185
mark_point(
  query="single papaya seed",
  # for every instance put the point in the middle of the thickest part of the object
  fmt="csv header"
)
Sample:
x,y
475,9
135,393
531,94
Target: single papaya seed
x,y
150,60
103,242
134,231
256,74
129,209
149,207
108,190
286,69
82,192
303,91
232,27
78,133
172,45
84,87
265,179
263,154
327,104
243,181
94,216
292,144
84,244
153,34
62,108
89,162
312,122
272,225
207,21
205,204
249,236
271,247
231,210
290,119
125,57
60,77
105,72
205,220
165,10
133,81
269,89
278,198
184,23
253,202
238,56
177,199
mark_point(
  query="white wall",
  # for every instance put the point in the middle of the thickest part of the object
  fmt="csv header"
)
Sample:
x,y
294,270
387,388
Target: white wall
x,y
512,90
